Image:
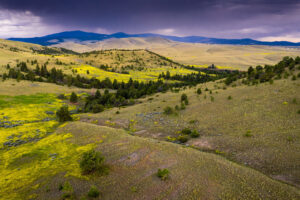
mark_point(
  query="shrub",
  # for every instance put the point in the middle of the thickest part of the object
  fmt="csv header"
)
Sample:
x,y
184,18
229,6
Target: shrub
x,y
93,192
186,102
61,96
182,138
212,99
248,134
195,134
271,81
163,174
118,112
294,78
219,152
168,110
298,112
92,161
186,131
229,98
60,187
133,189
193,121
63,114
199,91
184,97
66,196
290,139
73,98
177,107
182,106
68,191
98,108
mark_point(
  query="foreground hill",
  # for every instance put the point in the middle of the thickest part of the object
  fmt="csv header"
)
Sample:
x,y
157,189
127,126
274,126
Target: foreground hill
x,y
257,126
46,164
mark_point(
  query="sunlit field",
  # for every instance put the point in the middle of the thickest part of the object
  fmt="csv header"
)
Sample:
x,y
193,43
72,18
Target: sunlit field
x,y
145,75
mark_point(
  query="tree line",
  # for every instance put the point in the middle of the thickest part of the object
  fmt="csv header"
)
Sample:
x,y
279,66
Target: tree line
x,y
261,74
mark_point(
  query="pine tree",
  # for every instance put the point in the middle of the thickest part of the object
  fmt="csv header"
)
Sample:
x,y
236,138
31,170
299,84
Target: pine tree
x,y
73,98
63,114
97,94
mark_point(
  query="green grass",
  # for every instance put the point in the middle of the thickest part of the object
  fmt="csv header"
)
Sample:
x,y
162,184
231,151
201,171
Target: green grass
x,y
41,153
14,88
26,99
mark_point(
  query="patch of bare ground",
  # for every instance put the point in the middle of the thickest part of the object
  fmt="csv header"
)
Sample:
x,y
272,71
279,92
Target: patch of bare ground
x,y
135,157
201,143
287,179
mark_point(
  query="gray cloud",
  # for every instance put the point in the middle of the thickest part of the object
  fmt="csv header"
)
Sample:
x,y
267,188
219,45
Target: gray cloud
x,y
213,18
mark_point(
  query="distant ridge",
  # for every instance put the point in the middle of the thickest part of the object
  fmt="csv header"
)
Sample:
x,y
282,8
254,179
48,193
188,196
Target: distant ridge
x,y
81,36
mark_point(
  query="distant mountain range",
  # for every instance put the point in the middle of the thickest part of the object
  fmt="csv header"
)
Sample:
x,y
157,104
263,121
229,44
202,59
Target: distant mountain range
x,y
81,36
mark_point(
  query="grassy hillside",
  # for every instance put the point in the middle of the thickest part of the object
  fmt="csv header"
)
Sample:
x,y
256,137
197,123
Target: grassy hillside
x,y
113,43
132,162
12,88
236,56
236,139
258,127
122,65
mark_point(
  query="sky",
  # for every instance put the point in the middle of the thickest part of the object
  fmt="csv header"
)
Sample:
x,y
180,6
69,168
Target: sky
x,y
267,20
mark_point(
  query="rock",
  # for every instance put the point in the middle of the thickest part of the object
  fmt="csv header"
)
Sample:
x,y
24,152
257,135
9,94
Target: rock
x,y
49,112
74,111
46,119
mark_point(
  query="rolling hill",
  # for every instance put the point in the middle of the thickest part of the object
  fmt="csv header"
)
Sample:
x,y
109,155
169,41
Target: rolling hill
x,y
230,56
81,36
236,140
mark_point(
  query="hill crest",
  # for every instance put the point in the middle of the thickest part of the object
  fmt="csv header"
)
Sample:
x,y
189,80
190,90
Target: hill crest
x,y
81,36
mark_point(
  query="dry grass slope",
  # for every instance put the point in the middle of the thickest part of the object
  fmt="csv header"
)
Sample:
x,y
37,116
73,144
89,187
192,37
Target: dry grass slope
x,y
133,162
274,143
236,56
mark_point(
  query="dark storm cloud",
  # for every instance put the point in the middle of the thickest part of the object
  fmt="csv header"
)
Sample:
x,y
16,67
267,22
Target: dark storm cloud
x,y
217,18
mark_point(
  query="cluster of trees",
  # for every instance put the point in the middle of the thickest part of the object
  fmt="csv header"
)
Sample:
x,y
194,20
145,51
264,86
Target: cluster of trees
x,y
212,70
97,102
41,74
193,78
267,73
53,51
183,103
112,69
125,92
